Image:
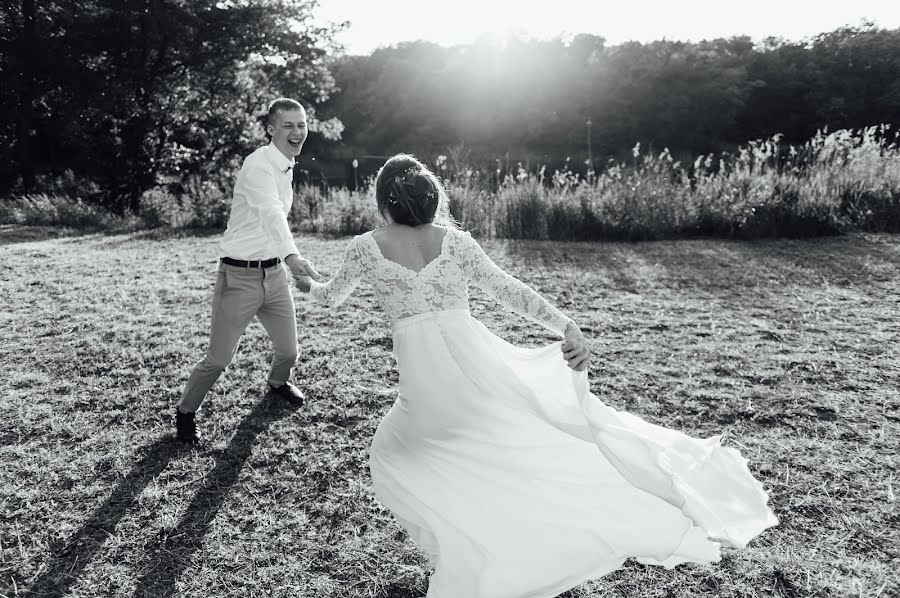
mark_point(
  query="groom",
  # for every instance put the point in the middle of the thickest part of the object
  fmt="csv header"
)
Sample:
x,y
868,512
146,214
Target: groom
x,y
251,281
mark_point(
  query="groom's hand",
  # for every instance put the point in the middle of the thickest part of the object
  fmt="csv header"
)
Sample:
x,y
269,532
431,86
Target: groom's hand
x,y
301,267
303,283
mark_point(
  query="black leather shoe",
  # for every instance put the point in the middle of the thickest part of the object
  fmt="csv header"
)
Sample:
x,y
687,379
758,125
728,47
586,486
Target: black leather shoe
x,y
186,427
288,392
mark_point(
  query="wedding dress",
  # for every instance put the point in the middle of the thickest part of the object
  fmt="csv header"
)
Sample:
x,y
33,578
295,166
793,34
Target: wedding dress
x,y
510,475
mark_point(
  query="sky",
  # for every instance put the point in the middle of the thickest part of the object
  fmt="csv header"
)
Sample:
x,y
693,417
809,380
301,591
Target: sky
x,y
376,23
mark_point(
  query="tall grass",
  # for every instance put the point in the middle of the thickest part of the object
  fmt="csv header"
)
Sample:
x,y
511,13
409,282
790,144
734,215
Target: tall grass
x,y
335,211
835,182
845,180
45,209
195,203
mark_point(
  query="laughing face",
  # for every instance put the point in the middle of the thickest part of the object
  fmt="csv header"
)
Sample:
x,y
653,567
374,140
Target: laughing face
x,y
288,131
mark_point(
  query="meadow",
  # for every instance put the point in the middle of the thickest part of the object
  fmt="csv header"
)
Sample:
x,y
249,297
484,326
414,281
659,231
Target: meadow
x,y
791,346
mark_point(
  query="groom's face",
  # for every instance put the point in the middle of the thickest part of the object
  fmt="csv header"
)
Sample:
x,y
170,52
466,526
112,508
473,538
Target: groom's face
x,y
288,131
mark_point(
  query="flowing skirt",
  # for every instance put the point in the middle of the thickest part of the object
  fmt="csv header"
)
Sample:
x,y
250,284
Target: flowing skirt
x,y
517,482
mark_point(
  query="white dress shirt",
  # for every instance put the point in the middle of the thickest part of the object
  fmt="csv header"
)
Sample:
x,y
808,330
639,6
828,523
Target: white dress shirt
x,y
258,227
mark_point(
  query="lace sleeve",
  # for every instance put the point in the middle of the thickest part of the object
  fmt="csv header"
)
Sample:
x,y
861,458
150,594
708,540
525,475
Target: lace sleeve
x,y
335,291
508,290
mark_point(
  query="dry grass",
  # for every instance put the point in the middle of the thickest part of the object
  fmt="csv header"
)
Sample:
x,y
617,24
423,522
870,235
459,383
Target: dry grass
x,y
793,346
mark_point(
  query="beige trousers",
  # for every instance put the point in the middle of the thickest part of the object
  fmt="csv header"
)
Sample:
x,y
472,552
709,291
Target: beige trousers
x,y
239,295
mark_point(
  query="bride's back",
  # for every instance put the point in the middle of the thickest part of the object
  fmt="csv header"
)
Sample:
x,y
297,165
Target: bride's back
x,y
412,248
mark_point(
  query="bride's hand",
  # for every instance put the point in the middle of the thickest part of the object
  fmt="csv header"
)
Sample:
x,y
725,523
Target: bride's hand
x,y
575,348
303,283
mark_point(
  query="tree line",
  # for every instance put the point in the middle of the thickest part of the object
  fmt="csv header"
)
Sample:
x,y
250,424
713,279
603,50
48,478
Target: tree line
x,y
128,95
541,101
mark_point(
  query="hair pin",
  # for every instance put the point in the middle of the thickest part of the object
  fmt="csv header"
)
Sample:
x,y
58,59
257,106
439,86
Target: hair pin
x,y
404,176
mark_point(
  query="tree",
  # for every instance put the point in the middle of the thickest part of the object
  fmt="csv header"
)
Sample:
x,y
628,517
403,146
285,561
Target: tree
x,y
18,58
166,86
533,98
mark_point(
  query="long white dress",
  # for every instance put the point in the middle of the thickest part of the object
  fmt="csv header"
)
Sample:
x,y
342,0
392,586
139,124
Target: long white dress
x,y
511,476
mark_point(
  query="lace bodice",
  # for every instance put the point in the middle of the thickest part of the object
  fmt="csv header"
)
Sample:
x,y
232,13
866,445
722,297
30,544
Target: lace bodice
x,y
441,284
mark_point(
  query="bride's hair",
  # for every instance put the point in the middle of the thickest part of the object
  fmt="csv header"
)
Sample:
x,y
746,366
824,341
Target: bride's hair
x,y
412,194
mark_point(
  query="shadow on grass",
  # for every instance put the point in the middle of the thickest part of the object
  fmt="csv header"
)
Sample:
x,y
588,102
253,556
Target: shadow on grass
x,y
164,233
171,555
10,234
67,562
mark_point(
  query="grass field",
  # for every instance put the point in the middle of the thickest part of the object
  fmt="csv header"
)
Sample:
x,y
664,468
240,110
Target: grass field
x,y
792,346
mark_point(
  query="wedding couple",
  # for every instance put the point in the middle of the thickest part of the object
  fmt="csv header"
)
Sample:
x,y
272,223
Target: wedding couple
x,y
512,477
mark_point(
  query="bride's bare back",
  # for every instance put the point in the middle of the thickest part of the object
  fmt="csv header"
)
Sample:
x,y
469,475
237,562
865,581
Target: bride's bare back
x,y
412,248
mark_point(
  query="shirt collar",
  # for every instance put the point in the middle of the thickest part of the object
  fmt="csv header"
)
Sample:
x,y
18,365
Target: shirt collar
x,y
281,162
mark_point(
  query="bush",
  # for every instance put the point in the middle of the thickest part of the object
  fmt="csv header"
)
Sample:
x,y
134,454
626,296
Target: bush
x,y
872,210
784,213
335,211
161,208
195,202
42,209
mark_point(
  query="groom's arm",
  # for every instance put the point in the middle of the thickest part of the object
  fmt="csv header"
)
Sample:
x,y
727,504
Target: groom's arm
x,y
261,191
262,198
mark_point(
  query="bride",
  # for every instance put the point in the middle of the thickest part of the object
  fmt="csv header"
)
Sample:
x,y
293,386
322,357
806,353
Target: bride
x,y
510,475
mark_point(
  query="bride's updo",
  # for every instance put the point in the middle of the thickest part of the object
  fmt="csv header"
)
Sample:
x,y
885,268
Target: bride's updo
x,y
411,194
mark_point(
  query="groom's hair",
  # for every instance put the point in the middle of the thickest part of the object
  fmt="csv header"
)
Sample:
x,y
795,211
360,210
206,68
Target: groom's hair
x,y
411,194
275,106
